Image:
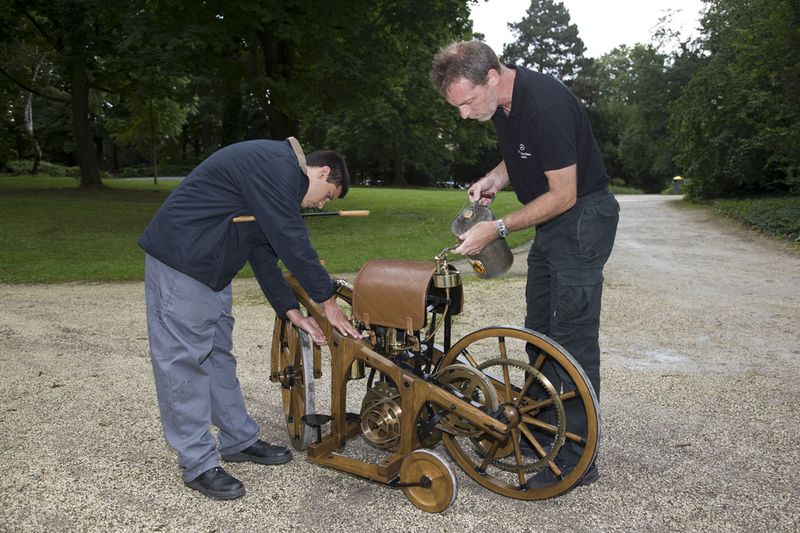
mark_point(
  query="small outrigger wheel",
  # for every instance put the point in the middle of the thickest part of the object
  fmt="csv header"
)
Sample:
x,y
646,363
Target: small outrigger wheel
x,y
427,481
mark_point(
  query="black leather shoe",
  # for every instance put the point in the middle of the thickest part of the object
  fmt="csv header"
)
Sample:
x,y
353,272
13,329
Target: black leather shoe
x,y
263,453
218,484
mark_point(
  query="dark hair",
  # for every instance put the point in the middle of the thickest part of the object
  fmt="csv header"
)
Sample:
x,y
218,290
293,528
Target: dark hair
x,y
333,159
471,60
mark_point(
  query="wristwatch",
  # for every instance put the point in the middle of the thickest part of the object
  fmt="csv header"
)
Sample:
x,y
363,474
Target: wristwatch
x,y
501,228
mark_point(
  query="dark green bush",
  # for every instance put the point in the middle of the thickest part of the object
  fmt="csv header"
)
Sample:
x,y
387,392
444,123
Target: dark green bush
x,y
45,168
778,216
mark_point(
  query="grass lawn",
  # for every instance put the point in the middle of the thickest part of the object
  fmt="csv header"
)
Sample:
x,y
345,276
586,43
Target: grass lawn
x,y
54,232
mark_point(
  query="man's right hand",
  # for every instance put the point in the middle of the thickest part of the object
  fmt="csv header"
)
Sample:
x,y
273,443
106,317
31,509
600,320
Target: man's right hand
x,y
483,191
307,324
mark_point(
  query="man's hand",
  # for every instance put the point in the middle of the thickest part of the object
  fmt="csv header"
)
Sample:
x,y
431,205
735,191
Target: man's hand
x,y
338,319
483,191
477,238
307,324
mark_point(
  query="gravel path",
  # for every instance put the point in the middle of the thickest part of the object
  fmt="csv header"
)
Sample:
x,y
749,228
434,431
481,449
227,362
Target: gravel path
x,y
701,382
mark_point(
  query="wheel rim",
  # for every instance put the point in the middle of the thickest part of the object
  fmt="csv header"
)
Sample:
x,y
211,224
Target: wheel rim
x,y
297,384
542,457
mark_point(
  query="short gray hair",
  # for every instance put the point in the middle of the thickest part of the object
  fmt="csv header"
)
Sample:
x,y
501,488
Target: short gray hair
x,y
471,60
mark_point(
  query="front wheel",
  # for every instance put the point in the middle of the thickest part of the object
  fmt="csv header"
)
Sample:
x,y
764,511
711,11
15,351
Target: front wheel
x,y
296,376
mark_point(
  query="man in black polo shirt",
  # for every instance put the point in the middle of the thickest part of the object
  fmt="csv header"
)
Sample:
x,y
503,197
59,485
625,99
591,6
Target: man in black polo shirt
x,y
551,160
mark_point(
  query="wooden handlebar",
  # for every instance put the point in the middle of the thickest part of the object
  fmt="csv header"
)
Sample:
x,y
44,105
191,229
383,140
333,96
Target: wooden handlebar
x,y
362,213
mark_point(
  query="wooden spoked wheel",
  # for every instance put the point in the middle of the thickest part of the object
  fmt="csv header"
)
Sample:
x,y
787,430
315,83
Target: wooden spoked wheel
x,y
296,366
436,488
546,399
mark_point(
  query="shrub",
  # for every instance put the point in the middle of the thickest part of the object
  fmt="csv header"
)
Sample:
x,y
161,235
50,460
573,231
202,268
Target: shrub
x,y
778,216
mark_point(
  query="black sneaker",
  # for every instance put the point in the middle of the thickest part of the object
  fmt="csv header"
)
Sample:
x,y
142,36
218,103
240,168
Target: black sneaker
x,y
262,453
218,484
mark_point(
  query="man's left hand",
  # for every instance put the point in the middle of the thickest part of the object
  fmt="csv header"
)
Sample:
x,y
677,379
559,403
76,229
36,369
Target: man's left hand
x,y
338,319
477,238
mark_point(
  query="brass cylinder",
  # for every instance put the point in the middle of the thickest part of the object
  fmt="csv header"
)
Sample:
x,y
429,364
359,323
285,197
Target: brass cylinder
x,y
447,281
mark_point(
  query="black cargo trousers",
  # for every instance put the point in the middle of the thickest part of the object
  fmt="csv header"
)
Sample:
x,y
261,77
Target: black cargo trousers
x,y
565,285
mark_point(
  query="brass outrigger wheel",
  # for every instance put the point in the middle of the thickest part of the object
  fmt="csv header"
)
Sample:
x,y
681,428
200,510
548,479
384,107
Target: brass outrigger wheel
x,y
296,368
546,399
427,481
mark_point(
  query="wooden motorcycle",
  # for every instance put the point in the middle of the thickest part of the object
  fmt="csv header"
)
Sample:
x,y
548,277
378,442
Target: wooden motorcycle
x,y
512,408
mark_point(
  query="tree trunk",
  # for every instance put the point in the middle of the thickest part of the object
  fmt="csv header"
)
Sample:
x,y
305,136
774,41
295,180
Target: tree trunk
x,y
206,136
86,154
115,157
37,150
398,171
277,65
280,125
154,142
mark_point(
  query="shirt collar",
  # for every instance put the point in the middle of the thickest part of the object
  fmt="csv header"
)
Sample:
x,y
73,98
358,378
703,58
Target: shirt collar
x,y
298,152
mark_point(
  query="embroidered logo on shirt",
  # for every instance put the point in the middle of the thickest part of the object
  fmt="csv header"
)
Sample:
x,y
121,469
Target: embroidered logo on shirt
x,y
523,154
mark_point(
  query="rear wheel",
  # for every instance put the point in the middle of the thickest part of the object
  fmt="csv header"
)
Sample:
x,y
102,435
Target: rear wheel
x,y
546,399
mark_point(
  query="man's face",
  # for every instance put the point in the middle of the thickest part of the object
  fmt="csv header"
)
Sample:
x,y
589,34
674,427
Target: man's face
x,y
320,192
478,102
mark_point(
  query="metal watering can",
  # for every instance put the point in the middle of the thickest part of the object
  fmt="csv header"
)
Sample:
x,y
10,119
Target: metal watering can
x,y
495,259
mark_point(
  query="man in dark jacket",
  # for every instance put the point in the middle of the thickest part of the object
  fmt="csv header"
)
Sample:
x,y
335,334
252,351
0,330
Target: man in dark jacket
x,y
193,251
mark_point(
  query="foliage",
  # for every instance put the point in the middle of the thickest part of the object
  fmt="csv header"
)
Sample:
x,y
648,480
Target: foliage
x,y
637,89
49,169
546,41
378,105
352,75
778,216
738,119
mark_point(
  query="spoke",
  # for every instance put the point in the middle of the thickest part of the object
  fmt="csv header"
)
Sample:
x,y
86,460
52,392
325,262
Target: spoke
x,y
471,360
539,424
537,364
489,455
507,387
549,401
518,455
539,449
501,341
524,390
574,437
553,429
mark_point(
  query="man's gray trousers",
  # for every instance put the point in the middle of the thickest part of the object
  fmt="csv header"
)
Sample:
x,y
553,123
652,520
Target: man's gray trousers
x,y
190,328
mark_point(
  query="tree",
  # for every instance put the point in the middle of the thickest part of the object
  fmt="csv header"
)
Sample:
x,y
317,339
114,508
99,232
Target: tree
x,y
370,92
80,36
545,41
737,123
150,122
